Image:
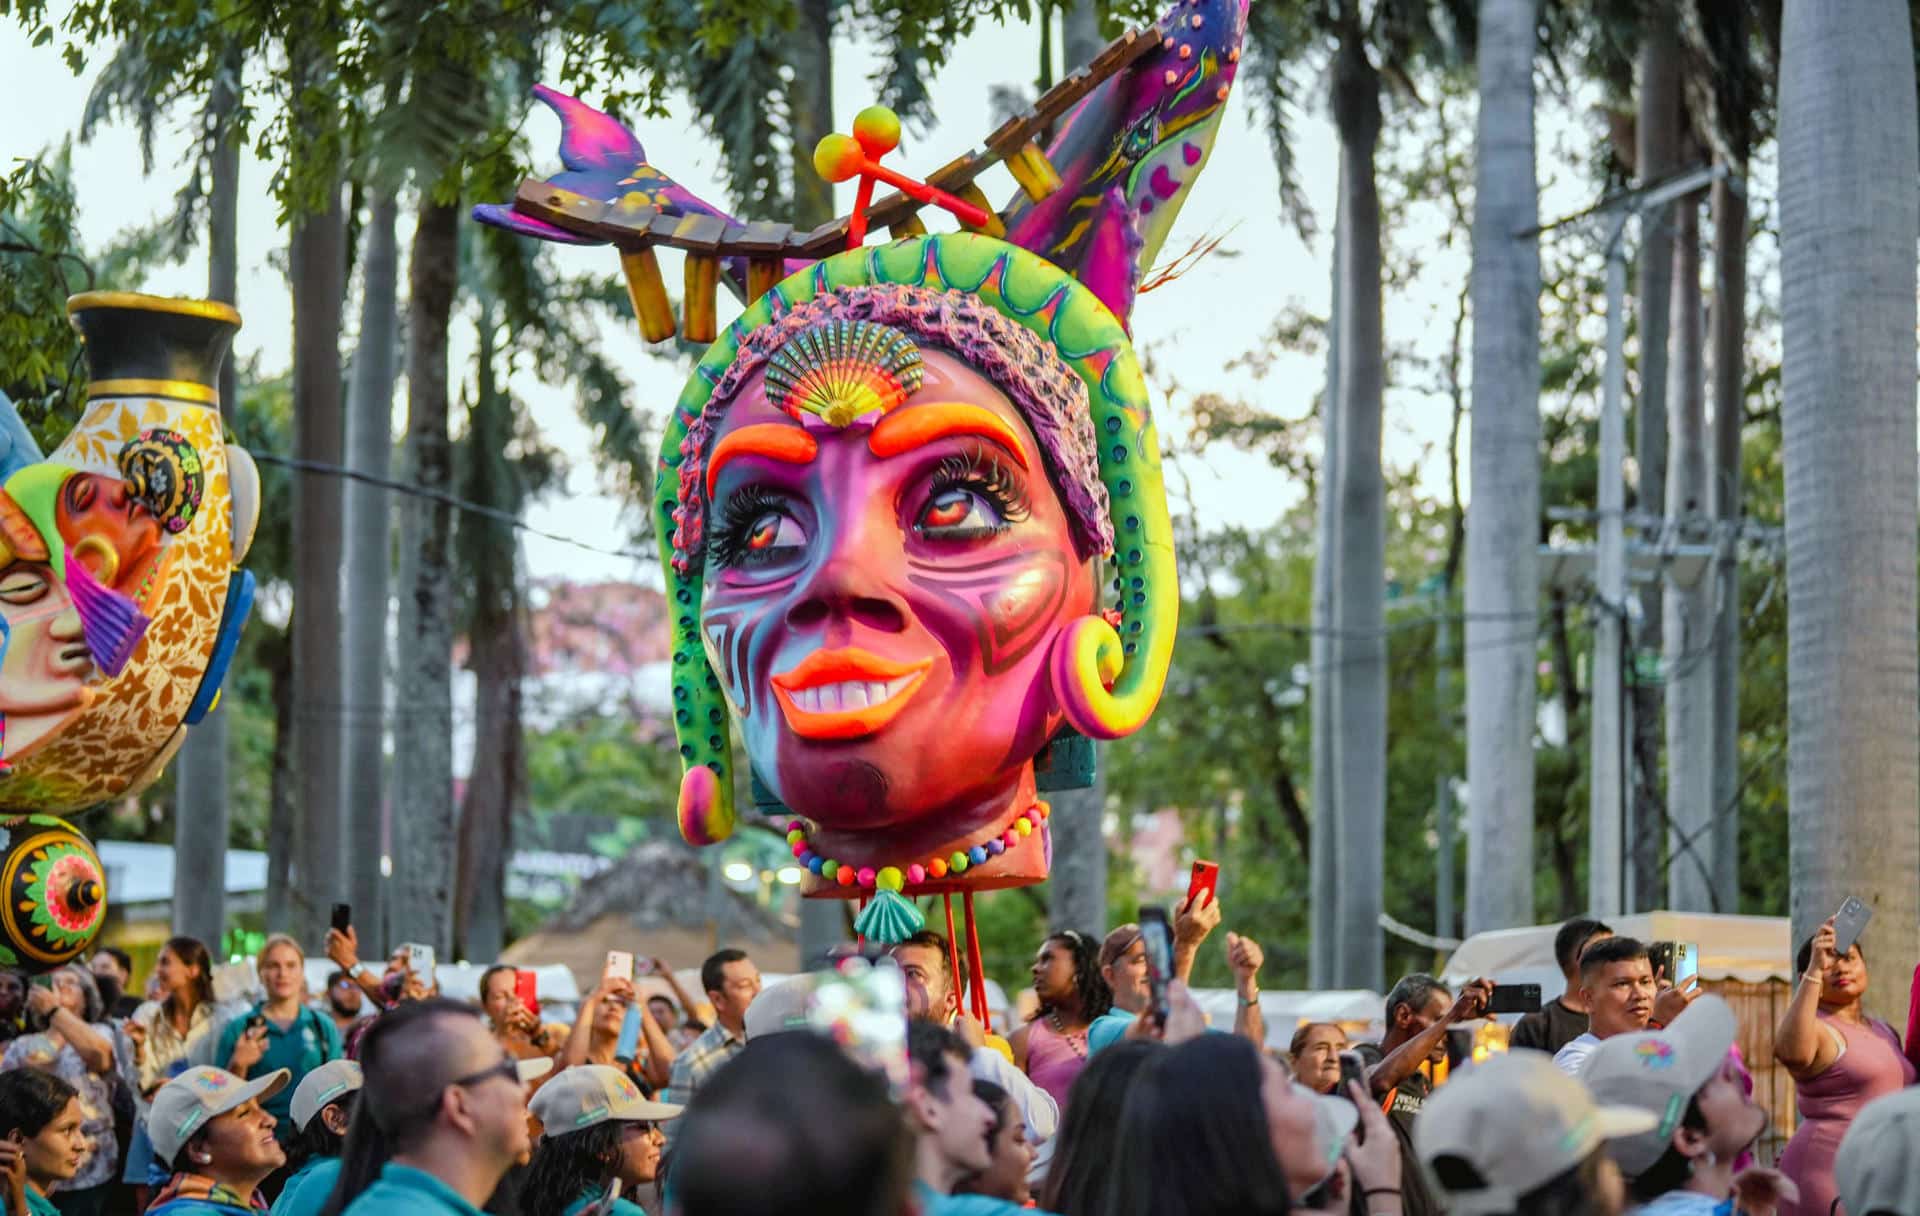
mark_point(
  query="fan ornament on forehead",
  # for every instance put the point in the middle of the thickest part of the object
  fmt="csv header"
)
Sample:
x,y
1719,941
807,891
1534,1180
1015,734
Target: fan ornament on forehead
x,y
888,486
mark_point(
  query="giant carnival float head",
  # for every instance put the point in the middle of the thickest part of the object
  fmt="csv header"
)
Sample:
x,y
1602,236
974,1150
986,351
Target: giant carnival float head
x,y
910,504
121,599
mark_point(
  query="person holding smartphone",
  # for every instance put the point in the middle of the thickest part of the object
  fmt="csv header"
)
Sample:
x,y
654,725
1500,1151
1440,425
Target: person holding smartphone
x,y
516,1027
280,1033
77,1044
1840,1060
596,1035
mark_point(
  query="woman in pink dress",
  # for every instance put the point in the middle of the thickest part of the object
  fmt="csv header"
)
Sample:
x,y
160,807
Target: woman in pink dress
x,y
1840,1060
1052,1049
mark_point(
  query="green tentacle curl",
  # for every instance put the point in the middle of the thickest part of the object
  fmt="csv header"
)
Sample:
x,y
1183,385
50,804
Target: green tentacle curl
x,y
1106,680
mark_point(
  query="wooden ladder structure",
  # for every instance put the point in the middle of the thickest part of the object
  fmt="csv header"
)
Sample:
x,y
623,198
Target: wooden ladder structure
x,y
636,229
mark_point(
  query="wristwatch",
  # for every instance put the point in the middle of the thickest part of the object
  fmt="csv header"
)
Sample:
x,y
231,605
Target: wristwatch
x,y
361,969
1252,1000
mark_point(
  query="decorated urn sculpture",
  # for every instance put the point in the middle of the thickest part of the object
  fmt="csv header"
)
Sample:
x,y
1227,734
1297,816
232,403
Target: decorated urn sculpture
x,y
121,599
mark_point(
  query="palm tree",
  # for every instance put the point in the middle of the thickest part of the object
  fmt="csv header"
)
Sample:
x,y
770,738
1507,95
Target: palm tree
x,y
1849,219
1503,516
317,261
369,553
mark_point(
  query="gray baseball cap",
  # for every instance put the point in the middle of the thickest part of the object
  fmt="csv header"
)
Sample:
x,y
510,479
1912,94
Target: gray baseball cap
x,y
1878,1166
324,1085
1660,1071
1519,1122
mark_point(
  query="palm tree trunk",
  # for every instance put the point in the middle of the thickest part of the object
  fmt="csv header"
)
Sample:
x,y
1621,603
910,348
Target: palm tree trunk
x,y
1729,321
1689,620
1360,646
1324,920
496,784
318,267
421,907
1503,517
200,770
277,653
1849,219
1077,889
1657,155
369,555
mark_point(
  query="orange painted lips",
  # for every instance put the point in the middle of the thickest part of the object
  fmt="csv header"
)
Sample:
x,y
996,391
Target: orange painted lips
x,y
846,693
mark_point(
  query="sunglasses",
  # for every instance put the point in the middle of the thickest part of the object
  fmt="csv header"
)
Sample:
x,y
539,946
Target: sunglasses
x,y
508,1069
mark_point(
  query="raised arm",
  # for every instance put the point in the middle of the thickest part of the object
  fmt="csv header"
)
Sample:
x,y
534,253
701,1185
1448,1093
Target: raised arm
x,y
1407,1057
575,1053
343,949
660,1053
1803,1047
1191,925
1245,957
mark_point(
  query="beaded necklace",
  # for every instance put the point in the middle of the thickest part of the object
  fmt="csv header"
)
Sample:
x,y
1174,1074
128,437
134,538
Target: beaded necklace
x,y
895,877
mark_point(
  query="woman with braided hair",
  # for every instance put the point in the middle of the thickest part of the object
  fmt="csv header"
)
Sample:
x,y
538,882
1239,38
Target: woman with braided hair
x,y
1052,1049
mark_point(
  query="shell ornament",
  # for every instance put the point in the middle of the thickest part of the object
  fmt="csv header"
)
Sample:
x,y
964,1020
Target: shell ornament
x,y
842,371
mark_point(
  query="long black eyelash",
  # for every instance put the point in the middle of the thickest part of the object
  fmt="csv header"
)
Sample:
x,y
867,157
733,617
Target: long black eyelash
x,y
986,474
727,543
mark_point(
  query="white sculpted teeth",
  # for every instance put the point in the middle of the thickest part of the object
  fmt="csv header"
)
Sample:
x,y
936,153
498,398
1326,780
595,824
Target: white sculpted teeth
x,y
848,695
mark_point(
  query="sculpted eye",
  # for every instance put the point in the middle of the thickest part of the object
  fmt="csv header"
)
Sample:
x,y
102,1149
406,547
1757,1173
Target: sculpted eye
x,y
954,512
774,531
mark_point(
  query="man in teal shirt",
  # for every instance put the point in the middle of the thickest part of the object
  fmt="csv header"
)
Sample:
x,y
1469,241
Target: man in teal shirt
x,y
450,1103
301,1044
952,1127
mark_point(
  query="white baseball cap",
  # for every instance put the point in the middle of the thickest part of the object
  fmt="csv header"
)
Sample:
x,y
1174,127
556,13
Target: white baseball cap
x,y
1519,1122
187,1103
1334,1119
1660,1071
320,1088
590,1094
1878,1166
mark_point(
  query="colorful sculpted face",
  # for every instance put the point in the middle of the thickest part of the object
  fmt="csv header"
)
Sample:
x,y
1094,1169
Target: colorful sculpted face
x,y
881,599
43,678
109,530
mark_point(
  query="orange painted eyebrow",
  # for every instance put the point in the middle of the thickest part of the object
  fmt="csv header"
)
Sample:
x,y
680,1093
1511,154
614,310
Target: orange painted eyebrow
x,y
779,441
916,426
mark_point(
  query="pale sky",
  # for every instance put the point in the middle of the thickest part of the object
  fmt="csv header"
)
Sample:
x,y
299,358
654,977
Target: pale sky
x,y
1192,328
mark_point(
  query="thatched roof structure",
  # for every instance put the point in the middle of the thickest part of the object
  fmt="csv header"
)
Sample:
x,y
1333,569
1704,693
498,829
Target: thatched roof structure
x,y
655,902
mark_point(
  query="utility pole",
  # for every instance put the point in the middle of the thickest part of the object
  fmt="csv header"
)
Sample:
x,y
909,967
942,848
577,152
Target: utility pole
x,y
1443,784
1609,562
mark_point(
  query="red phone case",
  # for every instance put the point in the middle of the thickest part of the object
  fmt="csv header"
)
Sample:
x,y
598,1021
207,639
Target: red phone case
x,y
526,987
1206,877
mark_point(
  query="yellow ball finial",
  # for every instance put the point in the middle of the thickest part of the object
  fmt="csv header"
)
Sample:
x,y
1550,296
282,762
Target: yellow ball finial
x,y
837,158
878,130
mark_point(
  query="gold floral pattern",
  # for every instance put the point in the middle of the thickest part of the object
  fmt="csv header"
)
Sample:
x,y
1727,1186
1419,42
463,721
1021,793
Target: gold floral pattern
x,y
110,750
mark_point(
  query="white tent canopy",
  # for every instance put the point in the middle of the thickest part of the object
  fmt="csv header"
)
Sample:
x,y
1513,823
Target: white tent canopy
x,y
1749,949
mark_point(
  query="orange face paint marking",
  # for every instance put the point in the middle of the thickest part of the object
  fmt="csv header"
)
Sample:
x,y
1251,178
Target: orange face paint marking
x,y
768,440
905,430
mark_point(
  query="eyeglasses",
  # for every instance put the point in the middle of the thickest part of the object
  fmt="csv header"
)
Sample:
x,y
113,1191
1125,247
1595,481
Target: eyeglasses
x,y
508,1069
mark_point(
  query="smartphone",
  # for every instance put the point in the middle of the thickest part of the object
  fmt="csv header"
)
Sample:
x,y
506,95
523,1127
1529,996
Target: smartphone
x,y
1515,998
643,966
526,989
420,960
1158,934
1206,877
1353,1070
256,1022
629,1044
1848,923
619,966
1674,961
342,917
